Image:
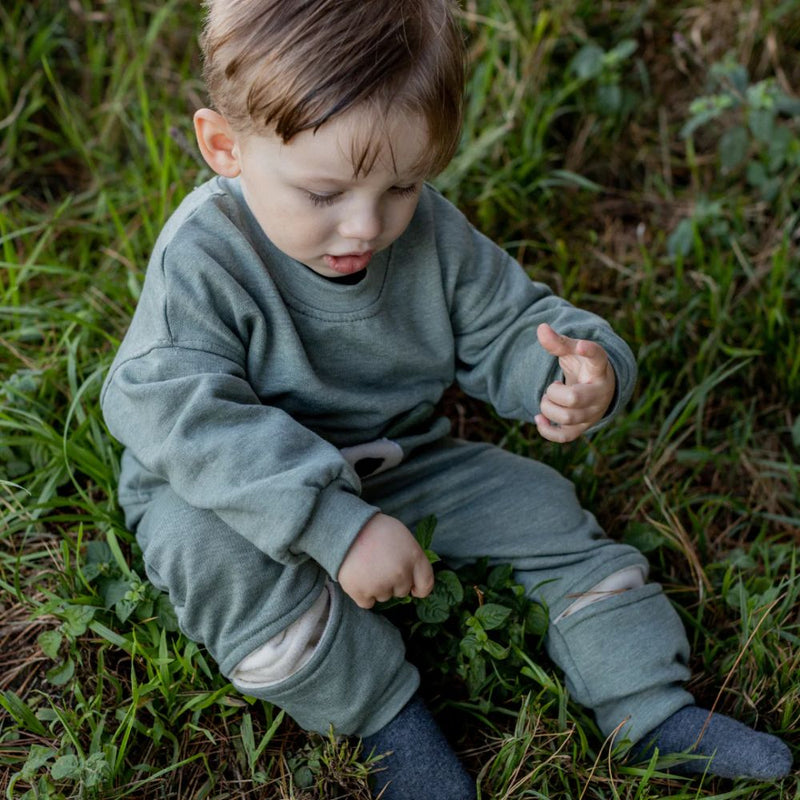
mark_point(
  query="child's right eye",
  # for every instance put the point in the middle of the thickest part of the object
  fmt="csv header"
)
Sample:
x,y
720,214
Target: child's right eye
x,y
322,199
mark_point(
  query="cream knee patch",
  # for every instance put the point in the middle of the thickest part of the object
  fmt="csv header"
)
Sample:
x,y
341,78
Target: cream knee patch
x,y
286,653
625,579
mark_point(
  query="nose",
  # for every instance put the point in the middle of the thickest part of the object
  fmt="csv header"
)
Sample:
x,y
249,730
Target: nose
x,y
361,222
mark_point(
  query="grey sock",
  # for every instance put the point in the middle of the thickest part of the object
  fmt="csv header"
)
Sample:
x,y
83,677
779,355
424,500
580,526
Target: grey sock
x,y
420,765
728,748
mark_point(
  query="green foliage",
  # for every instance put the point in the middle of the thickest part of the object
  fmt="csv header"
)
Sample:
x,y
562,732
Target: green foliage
x,y
760,134
757,129
476,627
333,767
652,182
531,77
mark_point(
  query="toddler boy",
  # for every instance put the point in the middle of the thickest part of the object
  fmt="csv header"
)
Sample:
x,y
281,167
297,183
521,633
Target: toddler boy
x,y
302,314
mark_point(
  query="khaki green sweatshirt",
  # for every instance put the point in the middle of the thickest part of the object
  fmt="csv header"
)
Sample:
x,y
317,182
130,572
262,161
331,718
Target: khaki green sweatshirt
x,y
244,372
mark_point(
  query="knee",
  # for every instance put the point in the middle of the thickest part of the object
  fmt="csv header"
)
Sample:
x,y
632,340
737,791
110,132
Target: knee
x,y
288,651
618,582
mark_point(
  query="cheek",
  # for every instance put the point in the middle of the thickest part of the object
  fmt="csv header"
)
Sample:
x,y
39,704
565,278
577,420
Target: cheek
x,y
401,216
288,221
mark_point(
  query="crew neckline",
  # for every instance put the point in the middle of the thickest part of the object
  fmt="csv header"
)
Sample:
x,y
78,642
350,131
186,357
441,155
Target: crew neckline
x,y
304,289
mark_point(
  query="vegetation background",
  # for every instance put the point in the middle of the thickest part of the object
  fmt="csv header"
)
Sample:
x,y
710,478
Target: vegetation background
x,y
641,157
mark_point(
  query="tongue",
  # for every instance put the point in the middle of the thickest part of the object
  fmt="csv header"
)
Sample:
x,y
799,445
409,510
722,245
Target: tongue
x,y
347,264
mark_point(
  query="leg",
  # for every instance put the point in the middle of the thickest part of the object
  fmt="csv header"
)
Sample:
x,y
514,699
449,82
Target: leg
x,y
623,656
619,641
288,635
239,604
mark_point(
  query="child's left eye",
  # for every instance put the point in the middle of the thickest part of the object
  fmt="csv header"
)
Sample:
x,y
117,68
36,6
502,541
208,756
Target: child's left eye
x,y
405,191
323,199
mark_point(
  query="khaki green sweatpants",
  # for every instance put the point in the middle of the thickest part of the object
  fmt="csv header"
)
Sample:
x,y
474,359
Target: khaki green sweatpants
x,y
624,656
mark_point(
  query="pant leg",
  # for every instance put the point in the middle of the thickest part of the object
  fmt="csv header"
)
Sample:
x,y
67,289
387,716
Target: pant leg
x,y
233,599
623,657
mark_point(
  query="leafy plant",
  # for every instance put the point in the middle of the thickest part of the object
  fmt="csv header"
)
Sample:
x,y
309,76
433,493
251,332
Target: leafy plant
x,y
476,626
756,126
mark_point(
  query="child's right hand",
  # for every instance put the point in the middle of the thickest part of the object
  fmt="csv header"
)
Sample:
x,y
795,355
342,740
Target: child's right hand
x,y
384,561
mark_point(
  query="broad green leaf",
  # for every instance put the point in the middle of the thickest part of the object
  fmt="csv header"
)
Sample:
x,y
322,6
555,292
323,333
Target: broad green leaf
x,y
433,609
476,676
588,62
449,586
165,613
643,537
762,124
733,147
77,619
492,615
470,646
495,650
625,49
66,768
608,99
424,531
38,756
500,576
536,620
681,239
61,673
50,642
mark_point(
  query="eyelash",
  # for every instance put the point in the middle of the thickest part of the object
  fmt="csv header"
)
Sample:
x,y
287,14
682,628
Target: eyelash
x,y
330,199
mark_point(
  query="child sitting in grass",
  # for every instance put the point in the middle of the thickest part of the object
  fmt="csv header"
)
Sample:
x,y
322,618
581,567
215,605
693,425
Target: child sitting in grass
x,y
302,315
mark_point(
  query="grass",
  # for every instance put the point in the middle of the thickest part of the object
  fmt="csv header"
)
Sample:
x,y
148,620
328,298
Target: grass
x,y
642,158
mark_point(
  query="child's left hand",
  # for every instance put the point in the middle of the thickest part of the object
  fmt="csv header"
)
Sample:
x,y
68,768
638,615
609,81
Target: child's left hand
x,y
571,407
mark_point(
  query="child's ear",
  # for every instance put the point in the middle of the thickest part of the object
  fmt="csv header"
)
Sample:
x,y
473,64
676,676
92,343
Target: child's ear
x,y
218,142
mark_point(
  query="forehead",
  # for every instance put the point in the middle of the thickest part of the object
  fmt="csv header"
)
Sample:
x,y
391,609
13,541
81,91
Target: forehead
x,y
359,144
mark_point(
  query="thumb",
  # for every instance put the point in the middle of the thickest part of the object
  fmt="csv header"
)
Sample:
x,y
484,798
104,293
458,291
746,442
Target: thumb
x,y
555,344
423,578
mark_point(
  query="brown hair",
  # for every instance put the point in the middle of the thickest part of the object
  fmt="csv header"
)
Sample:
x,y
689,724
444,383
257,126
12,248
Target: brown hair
x,y
291,65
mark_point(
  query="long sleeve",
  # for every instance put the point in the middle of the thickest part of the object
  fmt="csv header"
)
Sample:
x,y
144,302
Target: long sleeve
x,y
179,396
496,309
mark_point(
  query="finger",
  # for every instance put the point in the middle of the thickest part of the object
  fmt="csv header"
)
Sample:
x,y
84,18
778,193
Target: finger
x,y
557,433
555,344
402,589
597,358
423,579
364,602
561,394
575,396
562,416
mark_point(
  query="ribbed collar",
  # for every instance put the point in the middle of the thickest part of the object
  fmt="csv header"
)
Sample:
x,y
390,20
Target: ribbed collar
x,y
302,288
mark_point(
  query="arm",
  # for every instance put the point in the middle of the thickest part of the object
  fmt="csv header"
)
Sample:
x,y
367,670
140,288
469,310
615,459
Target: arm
x,y
178,396
191,418
497,312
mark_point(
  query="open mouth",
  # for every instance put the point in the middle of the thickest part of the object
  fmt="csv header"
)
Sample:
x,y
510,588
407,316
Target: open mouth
x,y
348,264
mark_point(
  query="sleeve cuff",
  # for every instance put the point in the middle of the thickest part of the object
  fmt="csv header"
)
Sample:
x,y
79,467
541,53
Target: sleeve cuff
x,y
338,518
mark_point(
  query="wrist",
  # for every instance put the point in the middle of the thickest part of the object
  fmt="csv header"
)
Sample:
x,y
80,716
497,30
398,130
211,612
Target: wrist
x,y
338,518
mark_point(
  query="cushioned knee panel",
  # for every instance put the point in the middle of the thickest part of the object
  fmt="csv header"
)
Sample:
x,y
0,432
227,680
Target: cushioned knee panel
x,y
626,659
356,681
286,653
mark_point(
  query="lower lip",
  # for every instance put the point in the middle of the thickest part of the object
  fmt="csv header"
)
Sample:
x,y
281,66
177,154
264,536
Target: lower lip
x,y
347,265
